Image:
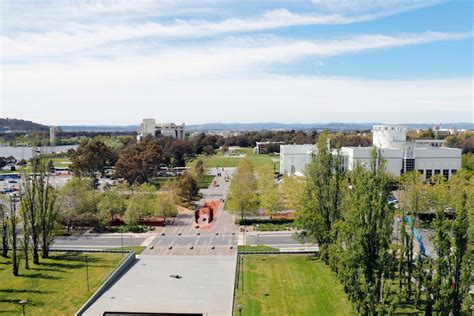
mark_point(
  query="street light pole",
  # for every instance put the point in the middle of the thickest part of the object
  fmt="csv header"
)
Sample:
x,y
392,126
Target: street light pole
x,y
121,237
23,304
87,274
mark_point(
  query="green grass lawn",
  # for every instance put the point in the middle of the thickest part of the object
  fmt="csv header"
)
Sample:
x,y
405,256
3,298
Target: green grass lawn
x,y
289,285
219,160
138,249
55,287
257,248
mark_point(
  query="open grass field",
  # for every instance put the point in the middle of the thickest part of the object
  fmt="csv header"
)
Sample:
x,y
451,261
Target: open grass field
x,y
289,285
219,160
55,287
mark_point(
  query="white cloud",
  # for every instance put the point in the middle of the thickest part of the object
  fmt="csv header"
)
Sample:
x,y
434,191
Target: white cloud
x,y
371,5
83,37
117,99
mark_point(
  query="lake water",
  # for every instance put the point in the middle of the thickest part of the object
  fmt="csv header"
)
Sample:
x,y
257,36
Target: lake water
x,y
27,152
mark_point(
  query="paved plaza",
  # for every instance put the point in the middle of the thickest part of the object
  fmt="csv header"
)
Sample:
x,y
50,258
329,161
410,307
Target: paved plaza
x,y
206,286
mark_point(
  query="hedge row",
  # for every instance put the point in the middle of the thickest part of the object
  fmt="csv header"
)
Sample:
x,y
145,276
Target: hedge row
x,y
253,221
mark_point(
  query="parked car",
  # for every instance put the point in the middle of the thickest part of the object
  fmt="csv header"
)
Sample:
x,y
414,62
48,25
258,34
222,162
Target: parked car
x,y
8,190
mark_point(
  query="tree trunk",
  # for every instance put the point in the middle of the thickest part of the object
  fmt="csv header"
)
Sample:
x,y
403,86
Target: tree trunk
x,y
35,250
45,250
4,240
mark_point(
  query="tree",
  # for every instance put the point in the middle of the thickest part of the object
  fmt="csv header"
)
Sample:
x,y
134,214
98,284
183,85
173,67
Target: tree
x,y
139,161
323,196
91,157
25,241
13,225
48,218
187,188
78,202
141,203
461,263
413,200
369,225
199,168
270,196
165,204
111,205
40,212
242,197
4,231
292,191
179,151
208,150
442,278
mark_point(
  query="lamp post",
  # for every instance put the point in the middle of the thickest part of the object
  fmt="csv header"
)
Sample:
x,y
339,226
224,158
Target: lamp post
x,y
121,237
87,274
23,304
240,309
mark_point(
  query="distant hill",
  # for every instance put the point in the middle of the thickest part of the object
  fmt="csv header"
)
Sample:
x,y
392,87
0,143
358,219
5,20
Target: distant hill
x,y
259,126
99,128
17,125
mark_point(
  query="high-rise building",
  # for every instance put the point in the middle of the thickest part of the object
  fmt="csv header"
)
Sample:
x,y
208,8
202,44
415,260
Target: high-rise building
x,y
149,127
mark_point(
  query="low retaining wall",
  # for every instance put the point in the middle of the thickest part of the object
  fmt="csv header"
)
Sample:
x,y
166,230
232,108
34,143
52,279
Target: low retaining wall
x,y
282,252
108,280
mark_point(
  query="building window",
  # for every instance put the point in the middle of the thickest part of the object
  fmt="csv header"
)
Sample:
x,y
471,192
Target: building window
x,y
429,173
421,171
453,172
410,164
437,171
446,174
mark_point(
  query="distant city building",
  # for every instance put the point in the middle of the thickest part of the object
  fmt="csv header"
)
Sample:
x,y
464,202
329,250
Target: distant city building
x,y
439,131
426,156
53,130
149,127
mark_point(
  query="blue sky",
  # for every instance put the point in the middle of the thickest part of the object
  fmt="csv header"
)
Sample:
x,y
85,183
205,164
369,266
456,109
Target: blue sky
x,y
115,62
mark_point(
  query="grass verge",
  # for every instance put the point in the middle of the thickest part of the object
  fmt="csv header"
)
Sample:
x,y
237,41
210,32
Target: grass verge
x,y
57,286
289,285
257,248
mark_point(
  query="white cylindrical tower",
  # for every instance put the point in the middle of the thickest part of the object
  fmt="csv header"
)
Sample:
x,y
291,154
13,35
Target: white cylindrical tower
x,y
385,136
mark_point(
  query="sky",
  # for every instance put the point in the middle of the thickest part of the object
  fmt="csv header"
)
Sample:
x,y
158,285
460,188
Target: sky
x,y
316,61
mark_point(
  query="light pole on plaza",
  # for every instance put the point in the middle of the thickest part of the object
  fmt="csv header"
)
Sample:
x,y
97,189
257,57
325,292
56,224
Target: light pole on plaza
x,y
23,305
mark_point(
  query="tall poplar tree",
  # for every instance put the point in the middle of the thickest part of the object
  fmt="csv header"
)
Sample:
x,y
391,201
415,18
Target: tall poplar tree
x,y
369,227
322,197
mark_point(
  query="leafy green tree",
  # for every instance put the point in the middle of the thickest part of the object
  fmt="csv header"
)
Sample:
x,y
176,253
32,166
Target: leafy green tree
x,y
138,162
91,157
111,205
369,225
141,203
187,188
323,196
439,197
461,263
242,197
292,191
78,202
165,204
270,196
199,168
413,200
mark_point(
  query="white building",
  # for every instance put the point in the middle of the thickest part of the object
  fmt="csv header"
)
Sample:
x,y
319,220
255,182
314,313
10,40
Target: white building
x,y
295,158
149,127
427,157
53,130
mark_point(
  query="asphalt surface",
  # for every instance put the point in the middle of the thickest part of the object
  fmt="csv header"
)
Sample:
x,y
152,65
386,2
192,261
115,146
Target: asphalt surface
x,y
183,238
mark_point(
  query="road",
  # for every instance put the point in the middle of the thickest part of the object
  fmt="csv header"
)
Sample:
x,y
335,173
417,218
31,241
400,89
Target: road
x,y
182,238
